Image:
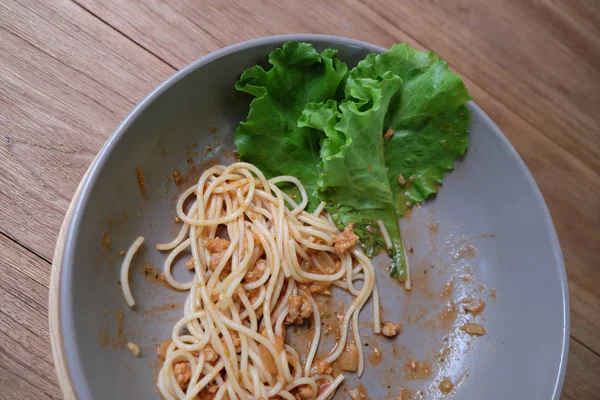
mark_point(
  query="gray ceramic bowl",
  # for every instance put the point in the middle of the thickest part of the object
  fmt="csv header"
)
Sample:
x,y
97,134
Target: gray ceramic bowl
x,y
488,231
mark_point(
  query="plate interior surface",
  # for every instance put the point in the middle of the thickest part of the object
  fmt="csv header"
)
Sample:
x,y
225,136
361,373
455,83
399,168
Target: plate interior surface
x,y
487,234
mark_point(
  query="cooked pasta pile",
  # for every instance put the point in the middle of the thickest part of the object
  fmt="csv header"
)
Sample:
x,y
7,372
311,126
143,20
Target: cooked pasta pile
x,y
260,262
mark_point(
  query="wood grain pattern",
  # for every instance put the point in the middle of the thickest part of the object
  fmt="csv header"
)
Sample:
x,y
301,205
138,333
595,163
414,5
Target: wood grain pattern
x,y
25,355
581,380
67,81
70,70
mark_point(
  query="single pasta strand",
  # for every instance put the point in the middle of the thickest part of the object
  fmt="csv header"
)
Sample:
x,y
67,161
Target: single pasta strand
x,y
376,310
327,393
125,270
319,209
316,337
385,234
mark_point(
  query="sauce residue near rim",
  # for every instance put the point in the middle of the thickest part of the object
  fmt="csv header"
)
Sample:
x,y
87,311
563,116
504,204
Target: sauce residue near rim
x,y
432,313
140,180
417,370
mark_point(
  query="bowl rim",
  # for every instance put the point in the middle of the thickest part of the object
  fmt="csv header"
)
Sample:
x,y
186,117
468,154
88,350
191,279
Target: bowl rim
x,y
67,362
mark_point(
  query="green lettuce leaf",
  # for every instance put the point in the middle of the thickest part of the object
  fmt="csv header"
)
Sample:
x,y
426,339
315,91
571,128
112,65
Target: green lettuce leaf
x,y
270,138
353,181
428,116
418,159
428,89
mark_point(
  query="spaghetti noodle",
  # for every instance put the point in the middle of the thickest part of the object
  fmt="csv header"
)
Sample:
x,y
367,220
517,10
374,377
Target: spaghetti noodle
x,y
125,270
260,262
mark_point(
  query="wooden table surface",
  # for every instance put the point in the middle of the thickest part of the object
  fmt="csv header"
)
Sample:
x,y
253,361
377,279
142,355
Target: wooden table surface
x,y
70,70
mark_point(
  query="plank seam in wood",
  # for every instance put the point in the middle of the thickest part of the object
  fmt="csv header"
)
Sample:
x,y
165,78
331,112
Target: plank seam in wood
x,y
124,35
15,241
585,346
